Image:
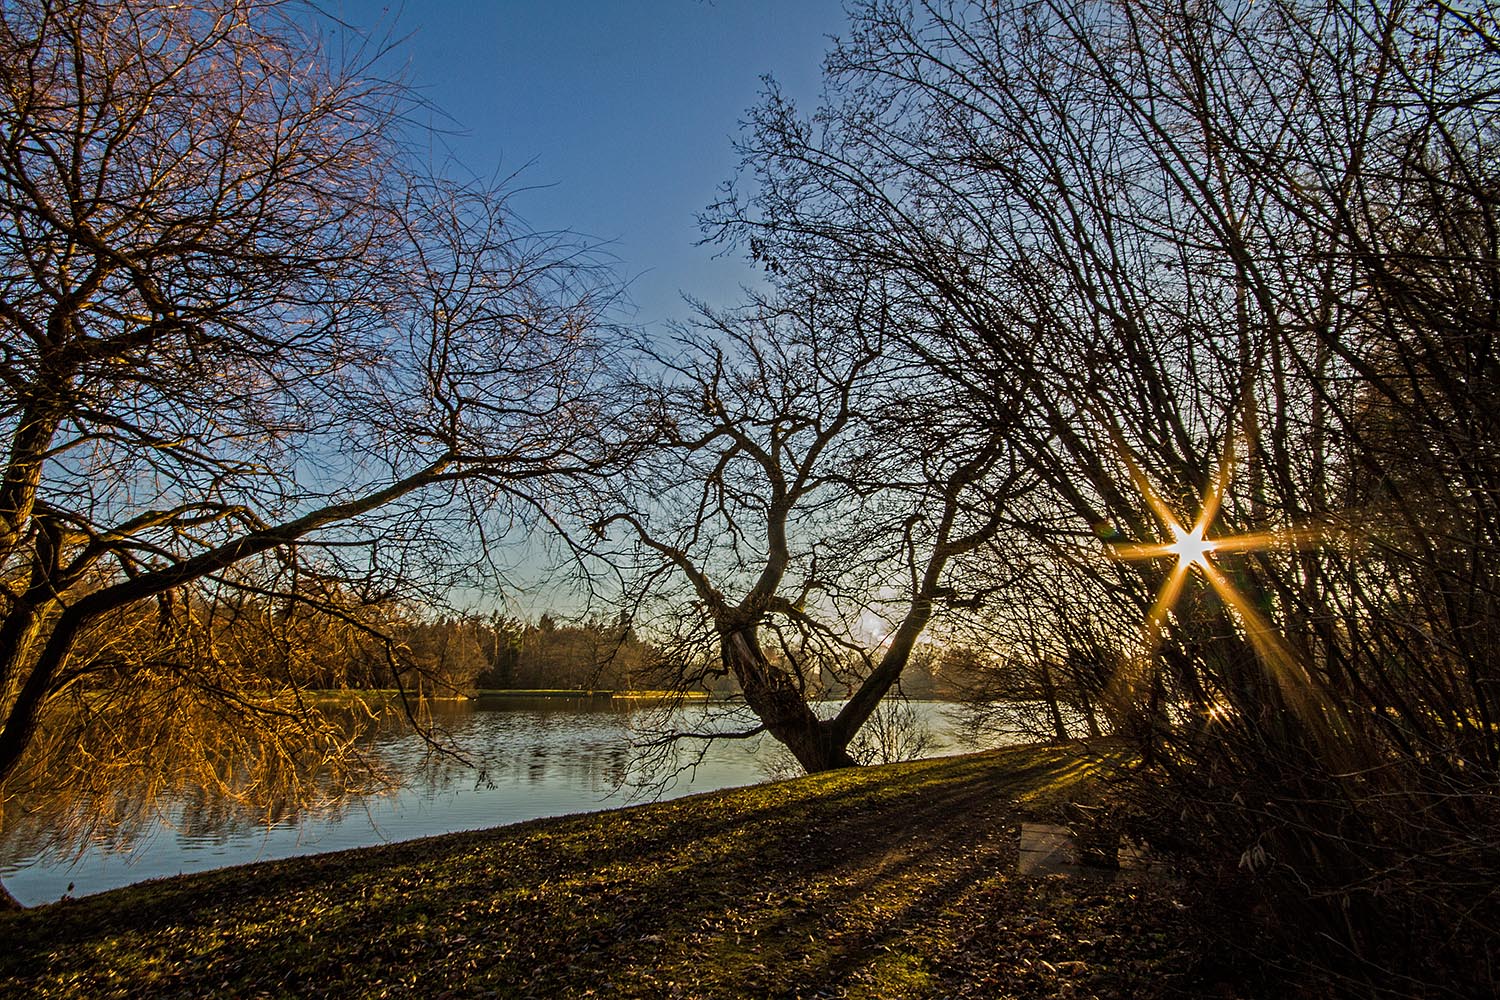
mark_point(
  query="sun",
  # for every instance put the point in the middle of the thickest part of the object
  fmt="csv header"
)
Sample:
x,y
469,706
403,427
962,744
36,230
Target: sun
x,y
1190,546
1192,551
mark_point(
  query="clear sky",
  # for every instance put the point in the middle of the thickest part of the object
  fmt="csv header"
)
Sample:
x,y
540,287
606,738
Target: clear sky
x,y
622,112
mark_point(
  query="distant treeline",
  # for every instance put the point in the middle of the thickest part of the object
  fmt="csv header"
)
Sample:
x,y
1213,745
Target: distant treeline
x,y
517,654
329,638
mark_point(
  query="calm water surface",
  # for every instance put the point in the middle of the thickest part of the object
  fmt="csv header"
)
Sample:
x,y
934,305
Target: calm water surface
x,y
540,758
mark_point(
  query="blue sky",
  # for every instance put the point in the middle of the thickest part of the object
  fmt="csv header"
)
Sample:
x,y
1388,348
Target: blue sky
x,y
621,113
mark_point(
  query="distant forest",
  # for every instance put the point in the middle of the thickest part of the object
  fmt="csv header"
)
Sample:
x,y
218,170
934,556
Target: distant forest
x,y
330,638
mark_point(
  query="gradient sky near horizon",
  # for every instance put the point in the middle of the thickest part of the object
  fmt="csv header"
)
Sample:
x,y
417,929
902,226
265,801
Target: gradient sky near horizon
x,y
620,116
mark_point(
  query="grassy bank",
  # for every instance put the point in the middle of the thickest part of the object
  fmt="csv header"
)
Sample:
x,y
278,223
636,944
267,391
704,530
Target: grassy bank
x,y
883,882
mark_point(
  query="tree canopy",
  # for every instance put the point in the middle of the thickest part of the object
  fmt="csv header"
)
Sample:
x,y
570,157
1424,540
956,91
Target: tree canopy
x,y
246,328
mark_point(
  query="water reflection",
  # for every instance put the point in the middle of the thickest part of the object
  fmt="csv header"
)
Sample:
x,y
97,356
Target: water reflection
x,y
511,761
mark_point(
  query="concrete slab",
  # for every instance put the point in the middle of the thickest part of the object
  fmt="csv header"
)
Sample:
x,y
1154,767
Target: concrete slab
x,y
1048,849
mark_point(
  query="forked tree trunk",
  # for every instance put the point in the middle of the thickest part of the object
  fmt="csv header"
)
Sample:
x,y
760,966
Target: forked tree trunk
x,y
776,700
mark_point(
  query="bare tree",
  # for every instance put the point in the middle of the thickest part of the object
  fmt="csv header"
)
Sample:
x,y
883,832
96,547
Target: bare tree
x,y
239,320
803,504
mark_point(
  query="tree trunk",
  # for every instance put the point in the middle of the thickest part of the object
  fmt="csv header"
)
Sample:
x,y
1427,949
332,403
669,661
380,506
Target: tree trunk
x,y
1054,711
897,654
776,700
1090,715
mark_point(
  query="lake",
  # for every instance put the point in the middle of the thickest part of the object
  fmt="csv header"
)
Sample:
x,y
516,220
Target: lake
x,y
540,757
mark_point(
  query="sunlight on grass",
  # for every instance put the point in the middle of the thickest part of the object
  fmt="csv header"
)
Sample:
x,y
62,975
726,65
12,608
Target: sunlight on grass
x,y
893,976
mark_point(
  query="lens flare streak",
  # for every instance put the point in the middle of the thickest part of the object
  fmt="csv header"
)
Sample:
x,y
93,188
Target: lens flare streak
x,y
1193,550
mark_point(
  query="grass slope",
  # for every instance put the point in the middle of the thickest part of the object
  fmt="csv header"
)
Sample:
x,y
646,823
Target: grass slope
x,y
883,882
